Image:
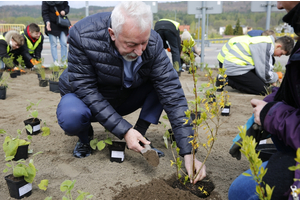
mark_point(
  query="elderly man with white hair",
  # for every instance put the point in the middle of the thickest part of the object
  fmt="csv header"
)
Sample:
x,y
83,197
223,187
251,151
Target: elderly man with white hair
x,y
117,65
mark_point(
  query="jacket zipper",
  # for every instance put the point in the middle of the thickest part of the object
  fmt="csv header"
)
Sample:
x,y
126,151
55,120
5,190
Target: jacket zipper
x,y
294,193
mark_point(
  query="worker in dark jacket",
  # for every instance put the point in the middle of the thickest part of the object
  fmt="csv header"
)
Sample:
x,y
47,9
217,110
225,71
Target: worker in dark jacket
x,y
12,44
279,115
117,65
34,40
169,32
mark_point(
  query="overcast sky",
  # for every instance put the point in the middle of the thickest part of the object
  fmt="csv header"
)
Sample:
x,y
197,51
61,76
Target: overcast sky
x,y
72,4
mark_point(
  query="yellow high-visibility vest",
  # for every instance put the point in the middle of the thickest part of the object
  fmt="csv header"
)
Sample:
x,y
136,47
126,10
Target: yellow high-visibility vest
x,y
31,47
8,47
176,24
226,47
240,53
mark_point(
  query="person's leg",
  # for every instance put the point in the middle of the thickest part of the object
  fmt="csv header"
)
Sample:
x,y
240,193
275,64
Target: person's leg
x,y
53,43
74,117
2,65
244,187
175,47
248,83
63,46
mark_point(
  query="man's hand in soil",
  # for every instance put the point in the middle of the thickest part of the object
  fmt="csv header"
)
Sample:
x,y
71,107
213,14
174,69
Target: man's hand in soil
x,y
189,165
257,107
132,138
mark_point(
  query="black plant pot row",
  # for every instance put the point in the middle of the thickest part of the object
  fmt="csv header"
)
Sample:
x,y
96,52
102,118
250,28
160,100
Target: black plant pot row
x,y
18,187
2,92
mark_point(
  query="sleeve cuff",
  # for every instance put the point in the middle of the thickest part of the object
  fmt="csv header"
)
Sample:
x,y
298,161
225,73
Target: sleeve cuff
x,y
265,110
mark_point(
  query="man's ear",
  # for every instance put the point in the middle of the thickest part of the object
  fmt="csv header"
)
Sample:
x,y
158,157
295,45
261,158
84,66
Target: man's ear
x,y
112,34
278,45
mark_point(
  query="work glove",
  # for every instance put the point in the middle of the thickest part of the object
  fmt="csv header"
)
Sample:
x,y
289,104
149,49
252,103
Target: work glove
x,y
34,61
254,130
279,75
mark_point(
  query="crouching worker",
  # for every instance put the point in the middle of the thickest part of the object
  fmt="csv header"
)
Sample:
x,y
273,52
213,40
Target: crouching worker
x,y
12,44
117,65
34,40
249,65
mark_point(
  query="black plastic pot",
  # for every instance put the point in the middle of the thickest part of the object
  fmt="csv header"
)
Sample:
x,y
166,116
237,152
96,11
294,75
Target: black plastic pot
x,y
2,92
225,111
266,151
43,83
18,188
53,86
36,127
22,153
38,75
117,151
18,72
13,75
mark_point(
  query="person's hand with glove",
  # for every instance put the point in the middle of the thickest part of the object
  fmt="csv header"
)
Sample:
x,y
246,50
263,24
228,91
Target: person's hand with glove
x,y
34,61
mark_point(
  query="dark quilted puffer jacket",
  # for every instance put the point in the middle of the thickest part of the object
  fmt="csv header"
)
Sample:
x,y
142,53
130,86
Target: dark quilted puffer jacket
x,y
96,75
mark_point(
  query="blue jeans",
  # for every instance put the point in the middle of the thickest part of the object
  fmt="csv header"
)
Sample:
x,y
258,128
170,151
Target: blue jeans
x,y
75,118
244,187
63,46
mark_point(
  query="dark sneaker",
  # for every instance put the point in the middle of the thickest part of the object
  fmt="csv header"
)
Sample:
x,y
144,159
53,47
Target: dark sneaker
x,y
82,150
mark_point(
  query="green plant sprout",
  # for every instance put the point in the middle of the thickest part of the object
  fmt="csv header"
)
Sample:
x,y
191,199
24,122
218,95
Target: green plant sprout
x,y
32,108
95,143
278,67
257,172
4,80
9,62
295,190
209,107
11,144
28,171
21,63
40,69
67,187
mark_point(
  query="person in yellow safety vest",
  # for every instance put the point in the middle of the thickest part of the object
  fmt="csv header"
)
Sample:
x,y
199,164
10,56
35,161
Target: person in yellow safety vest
x,y
34,40
253,33
169,31
12,44
248,63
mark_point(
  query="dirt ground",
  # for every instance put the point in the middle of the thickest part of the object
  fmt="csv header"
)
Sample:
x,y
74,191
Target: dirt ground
x,y
132,179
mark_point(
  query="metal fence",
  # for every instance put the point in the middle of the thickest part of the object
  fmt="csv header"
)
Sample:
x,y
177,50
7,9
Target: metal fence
x,y
17,27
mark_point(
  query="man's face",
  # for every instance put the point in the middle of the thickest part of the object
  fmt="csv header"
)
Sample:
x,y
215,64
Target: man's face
x,y
279,52
287,5
14,44
35,35
130,43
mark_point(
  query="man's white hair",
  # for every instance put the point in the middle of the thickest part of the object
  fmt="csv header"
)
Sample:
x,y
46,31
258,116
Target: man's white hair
x,y
137,10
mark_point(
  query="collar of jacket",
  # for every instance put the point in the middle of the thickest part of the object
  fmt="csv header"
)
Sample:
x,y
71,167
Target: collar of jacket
x,y
293,18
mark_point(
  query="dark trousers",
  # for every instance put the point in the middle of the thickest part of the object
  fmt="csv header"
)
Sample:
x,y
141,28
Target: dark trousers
x,y
75,118
248,83
174,42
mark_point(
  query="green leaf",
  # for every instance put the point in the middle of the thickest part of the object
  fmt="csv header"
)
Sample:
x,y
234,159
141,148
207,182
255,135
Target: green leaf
x,y
2,131
93,143
48,198
29,137
65,198
43,184
165,141
5,170
89,196
9,158
292,168
34,114
46,131
108,141
20,171
8,165
10,146
31,173
23,142
65,185
246,174
100,145
29,128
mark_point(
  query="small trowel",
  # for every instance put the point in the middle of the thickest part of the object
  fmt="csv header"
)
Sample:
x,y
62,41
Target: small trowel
x,y
150,155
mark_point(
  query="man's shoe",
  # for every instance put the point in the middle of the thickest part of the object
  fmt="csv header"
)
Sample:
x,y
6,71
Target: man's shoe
x,y
82,150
